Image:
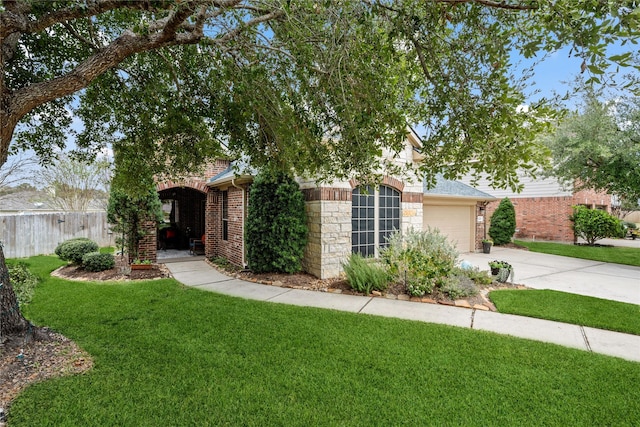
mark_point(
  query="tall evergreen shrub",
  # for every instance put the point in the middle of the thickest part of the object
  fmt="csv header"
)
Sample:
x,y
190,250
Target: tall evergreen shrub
x,y
127,213
503,223
276,231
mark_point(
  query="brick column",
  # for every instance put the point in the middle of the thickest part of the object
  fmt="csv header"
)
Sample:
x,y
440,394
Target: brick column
x,y
148,245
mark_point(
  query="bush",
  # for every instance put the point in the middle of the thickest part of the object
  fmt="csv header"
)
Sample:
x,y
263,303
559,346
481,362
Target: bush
x,y
23,282
480,277
276,232
60,248
420,259
96,261
365,275
458,286
594,224
73,250
503,223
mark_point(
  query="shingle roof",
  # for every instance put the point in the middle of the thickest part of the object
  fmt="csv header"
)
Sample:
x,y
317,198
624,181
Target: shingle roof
x,y
446,187
230,173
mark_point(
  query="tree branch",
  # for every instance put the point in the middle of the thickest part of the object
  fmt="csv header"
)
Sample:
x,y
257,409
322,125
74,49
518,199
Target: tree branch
x,y
79,37
528,5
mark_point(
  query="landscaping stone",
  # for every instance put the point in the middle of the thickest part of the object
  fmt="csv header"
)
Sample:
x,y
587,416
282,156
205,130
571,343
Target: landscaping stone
x,y
404,297
481,307
462,303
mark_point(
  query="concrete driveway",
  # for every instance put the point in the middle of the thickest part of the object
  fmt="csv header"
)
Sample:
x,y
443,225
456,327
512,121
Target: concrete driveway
x,y
578,276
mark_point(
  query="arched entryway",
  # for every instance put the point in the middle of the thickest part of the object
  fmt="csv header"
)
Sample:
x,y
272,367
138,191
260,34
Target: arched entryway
x,y
184,211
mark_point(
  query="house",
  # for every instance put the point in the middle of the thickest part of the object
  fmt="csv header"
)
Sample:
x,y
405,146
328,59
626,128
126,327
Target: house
x,y
544,206
343,216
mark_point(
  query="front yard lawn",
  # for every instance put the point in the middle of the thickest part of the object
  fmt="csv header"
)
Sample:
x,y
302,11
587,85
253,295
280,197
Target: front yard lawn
x,y
169,355
618,255
569,308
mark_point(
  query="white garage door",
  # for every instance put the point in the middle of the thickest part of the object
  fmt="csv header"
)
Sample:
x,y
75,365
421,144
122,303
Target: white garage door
x,y
455,222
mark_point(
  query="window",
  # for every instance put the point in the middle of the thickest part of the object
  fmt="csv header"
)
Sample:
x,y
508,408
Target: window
x,y
225,215
375,215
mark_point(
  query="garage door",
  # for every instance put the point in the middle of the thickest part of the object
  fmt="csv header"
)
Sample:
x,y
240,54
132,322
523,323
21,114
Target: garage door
x,y
455,222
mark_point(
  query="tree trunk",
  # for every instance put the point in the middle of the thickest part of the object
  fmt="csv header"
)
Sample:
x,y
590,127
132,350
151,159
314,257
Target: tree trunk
x,y
11,320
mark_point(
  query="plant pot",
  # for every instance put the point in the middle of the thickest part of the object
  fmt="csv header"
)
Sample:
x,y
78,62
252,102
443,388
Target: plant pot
x,y
486,248
141,266
503,274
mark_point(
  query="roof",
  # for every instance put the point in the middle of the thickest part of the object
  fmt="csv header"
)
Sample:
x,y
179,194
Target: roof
x,y
230,175
449,188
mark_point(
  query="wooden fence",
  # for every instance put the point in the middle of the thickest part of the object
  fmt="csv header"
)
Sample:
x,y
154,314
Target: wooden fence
x,y
28,234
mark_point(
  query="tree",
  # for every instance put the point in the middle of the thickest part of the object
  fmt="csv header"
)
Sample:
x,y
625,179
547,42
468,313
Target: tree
x,y
599,148
75,185
276,224
128,215
503,223
333,83
595,224
14,173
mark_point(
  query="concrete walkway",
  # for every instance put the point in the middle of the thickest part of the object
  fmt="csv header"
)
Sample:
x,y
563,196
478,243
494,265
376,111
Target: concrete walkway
x,y
578,276
199,274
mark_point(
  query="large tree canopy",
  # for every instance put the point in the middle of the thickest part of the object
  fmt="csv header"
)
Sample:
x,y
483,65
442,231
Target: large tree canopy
x,y
318,87
599,147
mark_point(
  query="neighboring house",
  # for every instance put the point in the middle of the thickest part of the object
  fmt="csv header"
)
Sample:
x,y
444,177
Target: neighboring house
x,y
343,216
544,206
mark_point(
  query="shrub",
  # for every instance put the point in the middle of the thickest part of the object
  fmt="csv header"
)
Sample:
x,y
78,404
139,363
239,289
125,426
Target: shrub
x,y
23,282
480,277
458,286
96,261
365,275
74,250
60,248
276,233
421,260
128,212
594,224
503,223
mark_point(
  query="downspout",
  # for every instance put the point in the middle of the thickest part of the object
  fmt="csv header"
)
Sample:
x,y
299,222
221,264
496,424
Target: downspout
x,y
233,183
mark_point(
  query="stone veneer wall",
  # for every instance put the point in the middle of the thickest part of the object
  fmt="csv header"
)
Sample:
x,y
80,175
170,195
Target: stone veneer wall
x,y
412,210
329,221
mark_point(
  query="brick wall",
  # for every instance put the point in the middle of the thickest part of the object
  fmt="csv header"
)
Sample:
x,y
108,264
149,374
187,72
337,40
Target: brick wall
x,y
215,246
547,218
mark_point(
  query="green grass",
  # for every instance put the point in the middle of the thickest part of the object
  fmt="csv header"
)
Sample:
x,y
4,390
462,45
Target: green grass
x,y
569,308
169,355
618,255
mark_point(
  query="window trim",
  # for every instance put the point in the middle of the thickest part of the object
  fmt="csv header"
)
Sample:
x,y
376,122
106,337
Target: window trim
x,y
377,218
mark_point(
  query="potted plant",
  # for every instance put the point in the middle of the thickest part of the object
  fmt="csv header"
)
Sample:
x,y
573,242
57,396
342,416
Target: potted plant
x,y
138,264
501,269
486,246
